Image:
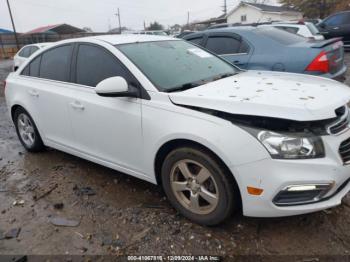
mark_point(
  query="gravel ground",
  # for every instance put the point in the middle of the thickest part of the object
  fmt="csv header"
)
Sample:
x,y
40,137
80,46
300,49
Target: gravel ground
x,y
117,214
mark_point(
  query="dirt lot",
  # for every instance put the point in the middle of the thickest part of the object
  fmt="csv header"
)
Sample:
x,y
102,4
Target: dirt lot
x,y
117,214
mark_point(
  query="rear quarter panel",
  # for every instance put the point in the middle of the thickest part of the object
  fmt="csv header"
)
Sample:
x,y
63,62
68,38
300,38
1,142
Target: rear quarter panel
x,y
274,56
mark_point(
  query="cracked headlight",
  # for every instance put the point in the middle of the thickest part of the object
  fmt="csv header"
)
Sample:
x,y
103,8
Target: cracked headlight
x,y
289,146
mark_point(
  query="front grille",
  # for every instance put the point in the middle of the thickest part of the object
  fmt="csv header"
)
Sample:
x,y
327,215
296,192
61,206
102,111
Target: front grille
x,y
342,123
339,127
344,151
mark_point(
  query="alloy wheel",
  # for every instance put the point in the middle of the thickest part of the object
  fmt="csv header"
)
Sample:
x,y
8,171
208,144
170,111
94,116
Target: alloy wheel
x,y
194,187
26,130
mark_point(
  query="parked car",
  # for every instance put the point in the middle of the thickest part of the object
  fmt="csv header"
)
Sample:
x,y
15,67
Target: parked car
x,y
337,25
184,33
155,32
315,21
168,112
305,29
266,48
25,52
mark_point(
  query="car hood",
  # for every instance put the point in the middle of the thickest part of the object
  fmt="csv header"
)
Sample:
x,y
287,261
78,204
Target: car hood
x,y
269,94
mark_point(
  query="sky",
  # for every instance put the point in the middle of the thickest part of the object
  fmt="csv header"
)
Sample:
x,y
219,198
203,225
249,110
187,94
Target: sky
x,y
99,15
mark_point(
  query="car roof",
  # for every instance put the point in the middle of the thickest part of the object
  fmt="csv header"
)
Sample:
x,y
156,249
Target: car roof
x,y
238,29
285,24
40,45
129,38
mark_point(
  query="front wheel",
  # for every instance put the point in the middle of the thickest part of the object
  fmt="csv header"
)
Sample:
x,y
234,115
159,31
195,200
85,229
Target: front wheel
x,y
198,186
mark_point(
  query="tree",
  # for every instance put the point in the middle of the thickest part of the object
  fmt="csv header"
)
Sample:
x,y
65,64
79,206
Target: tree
x,y
343,5
316,8
155,26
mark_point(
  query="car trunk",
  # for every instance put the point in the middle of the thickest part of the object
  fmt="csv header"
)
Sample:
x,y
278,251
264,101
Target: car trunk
x,y
334,50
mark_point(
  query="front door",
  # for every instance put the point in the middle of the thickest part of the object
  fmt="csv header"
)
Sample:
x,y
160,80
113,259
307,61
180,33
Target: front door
x,y
108,129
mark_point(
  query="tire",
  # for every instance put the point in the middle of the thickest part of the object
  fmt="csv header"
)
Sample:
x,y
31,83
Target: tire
x,y
207,203
27,131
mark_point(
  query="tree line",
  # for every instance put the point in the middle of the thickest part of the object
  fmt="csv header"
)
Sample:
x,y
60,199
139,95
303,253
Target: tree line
x,y
317,8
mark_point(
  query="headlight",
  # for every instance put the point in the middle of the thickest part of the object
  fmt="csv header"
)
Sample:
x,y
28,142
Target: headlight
x,y
287,146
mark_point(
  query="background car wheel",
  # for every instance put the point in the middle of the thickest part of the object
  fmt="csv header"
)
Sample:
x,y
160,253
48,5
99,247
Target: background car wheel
x,y
27,131
198,186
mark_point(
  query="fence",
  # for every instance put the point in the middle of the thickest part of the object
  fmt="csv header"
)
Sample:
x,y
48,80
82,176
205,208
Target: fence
x,y
8,46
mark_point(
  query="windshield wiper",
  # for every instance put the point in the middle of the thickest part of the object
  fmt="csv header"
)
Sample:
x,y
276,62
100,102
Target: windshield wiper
x,y
224,76
198,83
182,88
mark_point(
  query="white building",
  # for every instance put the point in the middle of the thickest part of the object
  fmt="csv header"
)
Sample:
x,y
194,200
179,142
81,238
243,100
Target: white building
x,y
247,13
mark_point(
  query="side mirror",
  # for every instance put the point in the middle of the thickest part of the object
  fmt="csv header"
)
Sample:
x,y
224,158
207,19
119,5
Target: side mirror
x,y
114,87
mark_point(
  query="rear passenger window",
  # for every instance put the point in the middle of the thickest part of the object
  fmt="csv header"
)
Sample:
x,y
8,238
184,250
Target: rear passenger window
x,y
197,40
293,30
55,63
223,45
25,52
33,50
95,64
34,67
244,49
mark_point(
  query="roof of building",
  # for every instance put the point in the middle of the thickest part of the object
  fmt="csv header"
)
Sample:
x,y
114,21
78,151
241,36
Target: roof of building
x,y
272,8
265,8
58,29
5,31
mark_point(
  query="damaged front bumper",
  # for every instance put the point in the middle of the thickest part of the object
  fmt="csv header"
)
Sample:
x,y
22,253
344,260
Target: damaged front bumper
x,y
275,176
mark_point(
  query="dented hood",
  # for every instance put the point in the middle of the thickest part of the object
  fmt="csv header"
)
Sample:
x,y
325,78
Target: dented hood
x,y
269,94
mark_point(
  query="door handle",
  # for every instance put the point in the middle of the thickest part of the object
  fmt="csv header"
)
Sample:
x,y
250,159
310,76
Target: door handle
x,y
33,93
77,105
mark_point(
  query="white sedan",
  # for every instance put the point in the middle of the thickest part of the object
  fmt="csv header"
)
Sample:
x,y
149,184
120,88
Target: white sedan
x,y
168,112
25,52
305,29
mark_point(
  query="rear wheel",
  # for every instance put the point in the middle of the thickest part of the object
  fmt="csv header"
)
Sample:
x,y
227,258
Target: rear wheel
x,y
198,186
27,131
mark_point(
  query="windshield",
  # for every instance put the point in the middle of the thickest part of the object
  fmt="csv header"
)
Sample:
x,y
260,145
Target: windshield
x,y
281,36
175,65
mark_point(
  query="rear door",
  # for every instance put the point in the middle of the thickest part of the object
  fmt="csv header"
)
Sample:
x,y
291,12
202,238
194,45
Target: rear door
x,y
229,46
48,90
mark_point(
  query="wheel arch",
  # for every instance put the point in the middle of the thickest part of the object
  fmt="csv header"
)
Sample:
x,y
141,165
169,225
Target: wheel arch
x,y
171,145
15,106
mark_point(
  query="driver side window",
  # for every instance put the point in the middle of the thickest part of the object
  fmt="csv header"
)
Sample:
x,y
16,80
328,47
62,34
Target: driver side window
x,y
94,64
336,20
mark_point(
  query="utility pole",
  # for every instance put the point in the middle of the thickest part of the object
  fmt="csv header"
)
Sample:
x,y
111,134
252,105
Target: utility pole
x,y
120,25
188,20
13,24
225,7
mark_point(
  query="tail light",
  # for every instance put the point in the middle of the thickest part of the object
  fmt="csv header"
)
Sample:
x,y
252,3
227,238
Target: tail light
x,y
319,64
